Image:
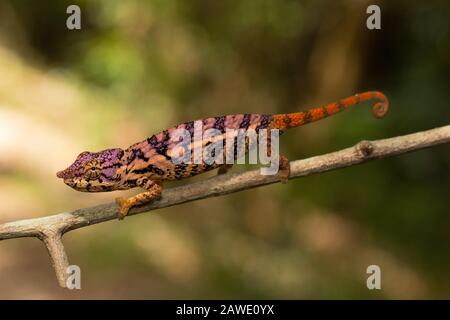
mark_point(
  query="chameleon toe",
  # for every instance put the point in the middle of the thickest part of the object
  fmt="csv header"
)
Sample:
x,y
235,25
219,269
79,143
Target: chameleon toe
x,y
123,208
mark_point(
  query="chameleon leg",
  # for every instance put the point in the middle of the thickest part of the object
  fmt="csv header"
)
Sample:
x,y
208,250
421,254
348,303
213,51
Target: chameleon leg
x,y
224,169
284,169
153,192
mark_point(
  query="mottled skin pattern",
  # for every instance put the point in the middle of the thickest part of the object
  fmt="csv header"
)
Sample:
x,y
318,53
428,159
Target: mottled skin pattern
x,y
148,164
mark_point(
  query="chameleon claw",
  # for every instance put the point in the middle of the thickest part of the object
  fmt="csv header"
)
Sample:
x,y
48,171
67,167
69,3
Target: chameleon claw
x,y
284,170
284,178
124,207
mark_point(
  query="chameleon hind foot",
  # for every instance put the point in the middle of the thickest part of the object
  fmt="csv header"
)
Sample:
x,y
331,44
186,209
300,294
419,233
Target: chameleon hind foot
x,y
153,192
284,169
224,169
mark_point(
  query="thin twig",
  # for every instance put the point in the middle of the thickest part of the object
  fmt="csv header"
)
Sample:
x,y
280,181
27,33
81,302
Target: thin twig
x,y
50,229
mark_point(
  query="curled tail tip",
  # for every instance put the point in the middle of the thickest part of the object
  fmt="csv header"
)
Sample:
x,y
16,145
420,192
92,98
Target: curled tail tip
x,y
381,107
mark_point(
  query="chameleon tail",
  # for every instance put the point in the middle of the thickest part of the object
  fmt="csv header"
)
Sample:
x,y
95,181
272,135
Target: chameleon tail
x,y
290,120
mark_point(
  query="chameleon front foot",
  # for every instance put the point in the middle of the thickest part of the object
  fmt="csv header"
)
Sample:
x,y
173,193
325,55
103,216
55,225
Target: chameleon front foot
x,y
124,207
153,192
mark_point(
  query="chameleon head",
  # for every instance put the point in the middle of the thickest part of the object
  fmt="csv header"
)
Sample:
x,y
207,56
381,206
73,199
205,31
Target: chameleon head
x,y
94,172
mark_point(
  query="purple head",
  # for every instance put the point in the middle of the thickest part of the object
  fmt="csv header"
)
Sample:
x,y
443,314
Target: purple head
x,y
94,172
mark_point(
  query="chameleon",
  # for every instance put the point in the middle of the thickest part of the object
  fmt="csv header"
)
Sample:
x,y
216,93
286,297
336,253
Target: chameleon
x,y
148,164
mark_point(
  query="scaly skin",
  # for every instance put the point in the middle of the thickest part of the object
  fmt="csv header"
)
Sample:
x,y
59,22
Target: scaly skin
x,y
148,164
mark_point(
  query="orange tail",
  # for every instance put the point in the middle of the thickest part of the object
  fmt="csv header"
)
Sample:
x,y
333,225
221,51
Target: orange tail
x,y
290,120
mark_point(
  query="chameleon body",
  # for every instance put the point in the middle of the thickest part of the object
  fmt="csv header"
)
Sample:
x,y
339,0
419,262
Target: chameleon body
x,y
147,164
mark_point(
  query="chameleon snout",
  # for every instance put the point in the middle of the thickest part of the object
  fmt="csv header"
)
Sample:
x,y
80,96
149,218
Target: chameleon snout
x,y
65,174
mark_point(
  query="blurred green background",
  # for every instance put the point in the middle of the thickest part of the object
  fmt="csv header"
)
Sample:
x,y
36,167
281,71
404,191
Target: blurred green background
x,y
137,67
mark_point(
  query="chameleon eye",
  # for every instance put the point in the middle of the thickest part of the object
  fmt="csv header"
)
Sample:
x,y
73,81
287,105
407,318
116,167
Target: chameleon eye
x,y
92,172
92,175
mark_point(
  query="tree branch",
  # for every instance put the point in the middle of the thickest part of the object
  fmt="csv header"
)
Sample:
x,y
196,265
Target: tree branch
x,y
50,229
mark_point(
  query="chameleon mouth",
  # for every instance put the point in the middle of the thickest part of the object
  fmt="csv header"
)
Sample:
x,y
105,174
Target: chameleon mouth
x,y
70,183
85,186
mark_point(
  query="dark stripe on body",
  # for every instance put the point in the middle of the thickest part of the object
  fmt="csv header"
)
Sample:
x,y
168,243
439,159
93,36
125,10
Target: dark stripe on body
x,y
219,123
149,169
137,153
245,121
264,122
